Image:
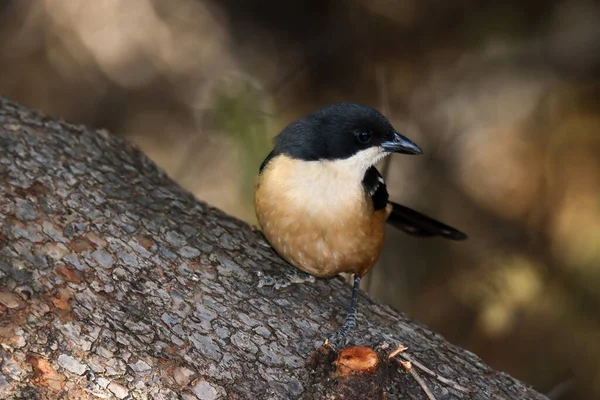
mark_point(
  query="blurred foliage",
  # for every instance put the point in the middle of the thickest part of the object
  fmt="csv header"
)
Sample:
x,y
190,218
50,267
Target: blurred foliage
x,y
503,97
241,115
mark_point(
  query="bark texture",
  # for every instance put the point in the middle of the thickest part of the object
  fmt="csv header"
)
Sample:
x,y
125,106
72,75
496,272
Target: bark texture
x,y
116,283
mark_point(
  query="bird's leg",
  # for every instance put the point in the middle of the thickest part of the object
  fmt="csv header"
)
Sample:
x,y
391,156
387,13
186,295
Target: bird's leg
x,y
339,338
292,275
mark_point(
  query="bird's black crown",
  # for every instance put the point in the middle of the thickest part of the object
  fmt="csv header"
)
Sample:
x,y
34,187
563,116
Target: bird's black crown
x,y
337,131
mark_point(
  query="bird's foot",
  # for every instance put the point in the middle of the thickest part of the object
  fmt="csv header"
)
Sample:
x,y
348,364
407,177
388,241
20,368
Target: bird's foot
x,y
340,338
337,340
280,281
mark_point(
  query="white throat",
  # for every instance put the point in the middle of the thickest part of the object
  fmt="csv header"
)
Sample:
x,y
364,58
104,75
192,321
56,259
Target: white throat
x,y
326,187
353,168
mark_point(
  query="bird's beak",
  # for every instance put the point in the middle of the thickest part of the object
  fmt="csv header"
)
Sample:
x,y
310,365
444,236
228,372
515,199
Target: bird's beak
x,y
400,144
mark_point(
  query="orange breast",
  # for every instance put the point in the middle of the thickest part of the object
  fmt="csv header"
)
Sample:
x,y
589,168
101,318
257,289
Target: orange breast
x,y
320,227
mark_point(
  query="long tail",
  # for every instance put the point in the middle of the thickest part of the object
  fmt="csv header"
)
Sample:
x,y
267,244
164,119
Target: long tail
x,y
416,224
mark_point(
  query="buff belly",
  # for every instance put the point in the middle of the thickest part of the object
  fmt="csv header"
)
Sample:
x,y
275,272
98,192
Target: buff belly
x,y
324,248
322,233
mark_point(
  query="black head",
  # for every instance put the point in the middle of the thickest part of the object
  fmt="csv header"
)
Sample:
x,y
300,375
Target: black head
x,y
340,131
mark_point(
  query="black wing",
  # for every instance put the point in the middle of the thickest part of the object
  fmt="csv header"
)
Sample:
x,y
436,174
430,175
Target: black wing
x,y
417,224
374,185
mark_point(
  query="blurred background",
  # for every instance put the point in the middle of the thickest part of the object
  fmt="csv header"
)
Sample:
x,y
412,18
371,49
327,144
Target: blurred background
x,y
504,98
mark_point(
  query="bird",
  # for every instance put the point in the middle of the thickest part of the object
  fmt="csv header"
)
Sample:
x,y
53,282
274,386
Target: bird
x,y
322,204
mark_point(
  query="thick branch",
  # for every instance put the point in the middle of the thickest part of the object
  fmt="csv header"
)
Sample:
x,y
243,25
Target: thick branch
x,y
115,282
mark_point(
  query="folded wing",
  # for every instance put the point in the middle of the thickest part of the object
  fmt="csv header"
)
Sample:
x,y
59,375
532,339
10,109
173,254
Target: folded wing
x,y
417,224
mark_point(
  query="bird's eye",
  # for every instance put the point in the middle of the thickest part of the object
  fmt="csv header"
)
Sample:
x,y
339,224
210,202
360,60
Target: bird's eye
x,y
364,136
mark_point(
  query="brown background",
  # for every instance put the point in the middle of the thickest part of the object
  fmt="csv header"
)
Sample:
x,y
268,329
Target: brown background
x,y
503,98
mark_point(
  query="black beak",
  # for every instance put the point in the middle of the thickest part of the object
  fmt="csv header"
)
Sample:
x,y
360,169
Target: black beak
x,y
400,144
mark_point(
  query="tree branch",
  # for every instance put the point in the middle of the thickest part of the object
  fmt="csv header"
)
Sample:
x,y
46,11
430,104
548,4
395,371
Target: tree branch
x,y
116,283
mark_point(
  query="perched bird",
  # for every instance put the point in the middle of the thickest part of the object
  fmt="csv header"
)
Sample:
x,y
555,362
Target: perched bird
x,y
322,204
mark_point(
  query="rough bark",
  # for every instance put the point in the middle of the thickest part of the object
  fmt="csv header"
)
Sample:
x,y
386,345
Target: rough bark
x,y
115,282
